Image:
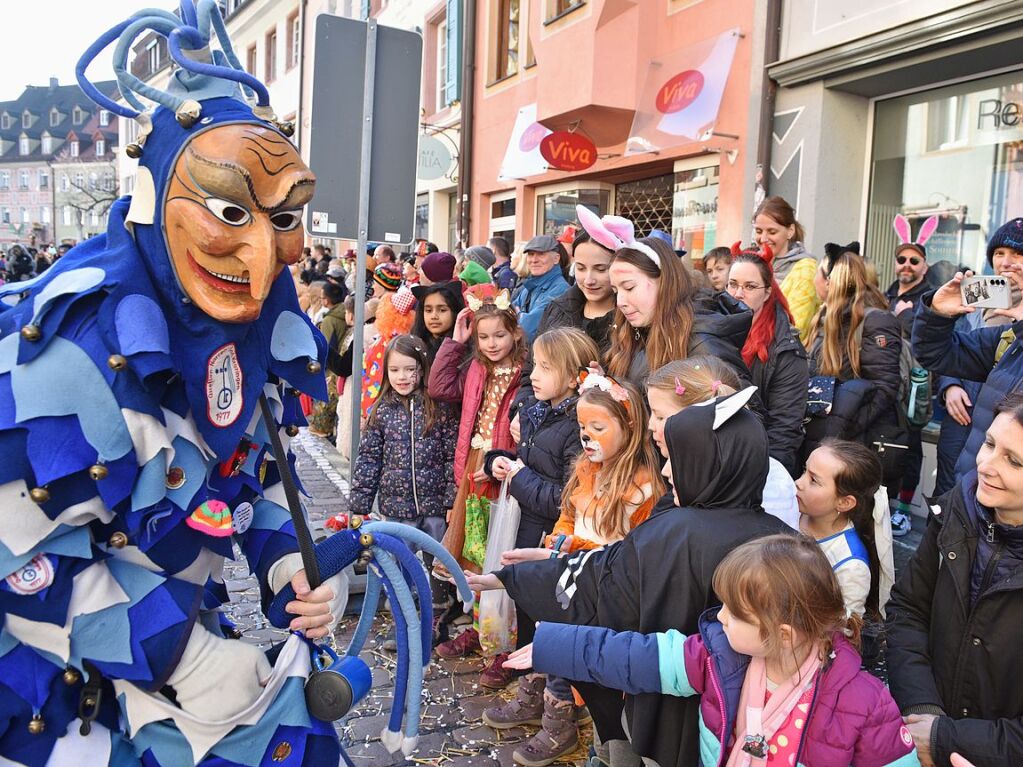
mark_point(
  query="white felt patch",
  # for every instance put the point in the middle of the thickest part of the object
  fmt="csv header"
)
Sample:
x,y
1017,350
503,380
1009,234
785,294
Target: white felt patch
x,y
223,386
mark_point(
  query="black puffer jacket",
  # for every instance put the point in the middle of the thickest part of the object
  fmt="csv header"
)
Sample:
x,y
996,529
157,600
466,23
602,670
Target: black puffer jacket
x,y
953,655
566,311
863,402
548,447
720,327
781,382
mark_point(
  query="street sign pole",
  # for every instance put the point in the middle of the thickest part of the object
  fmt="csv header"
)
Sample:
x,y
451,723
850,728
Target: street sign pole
x,y
360,252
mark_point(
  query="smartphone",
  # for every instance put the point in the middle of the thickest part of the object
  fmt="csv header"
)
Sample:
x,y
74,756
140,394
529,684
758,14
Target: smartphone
x,y
986,292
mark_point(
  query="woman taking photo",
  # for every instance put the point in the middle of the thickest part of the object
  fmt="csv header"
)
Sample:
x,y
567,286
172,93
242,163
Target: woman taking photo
x,y
854,350
589,304
775,225
953,619
662,315
773,354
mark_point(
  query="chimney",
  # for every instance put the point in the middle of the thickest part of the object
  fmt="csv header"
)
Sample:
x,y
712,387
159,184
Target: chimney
x,y
54,83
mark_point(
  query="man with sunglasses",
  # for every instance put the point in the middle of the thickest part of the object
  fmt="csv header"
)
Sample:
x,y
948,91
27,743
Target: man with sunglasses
x,y
903,296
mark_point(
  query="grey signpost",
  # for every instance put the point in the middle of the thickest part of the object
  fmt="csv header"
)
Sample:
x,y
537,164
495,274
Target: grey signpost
x,y
363,149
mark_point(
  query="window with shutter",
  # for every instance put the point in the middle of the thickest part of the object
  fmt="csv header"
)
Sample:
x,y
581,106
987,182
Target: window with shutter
x,y
453,46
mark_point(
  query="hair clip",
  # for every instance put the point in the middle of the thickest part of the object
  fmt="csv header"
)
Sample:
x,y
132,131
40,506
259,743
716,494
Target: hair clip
x,y
679,388
714,387
595,378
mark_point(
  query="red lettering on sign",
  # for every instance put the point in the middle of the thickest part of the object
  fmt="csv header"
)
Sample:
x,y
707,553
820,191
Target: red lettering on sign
x,y
531,137
679,92
568,151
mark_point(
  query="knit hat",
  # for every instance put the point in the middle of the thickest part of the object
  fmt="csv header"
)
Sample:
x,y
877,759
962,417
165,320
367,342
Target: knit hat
x,y
438,267
387,276
474,274
481,255
1008,235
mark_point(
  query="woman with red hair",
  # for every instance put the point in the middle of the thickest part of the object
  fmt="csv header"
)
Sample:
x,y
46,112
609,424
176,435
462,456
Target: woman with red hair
x,y
776,359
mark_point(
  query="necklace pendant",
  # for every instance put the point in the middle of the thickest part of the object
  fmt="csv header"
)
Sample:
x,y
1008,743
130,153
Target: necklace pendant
x,y
755,746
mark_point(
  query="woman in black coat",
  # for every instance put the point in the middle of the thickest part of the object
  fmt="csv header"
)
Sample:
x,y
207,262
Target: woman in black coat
x,y
772,351
954,661
857,341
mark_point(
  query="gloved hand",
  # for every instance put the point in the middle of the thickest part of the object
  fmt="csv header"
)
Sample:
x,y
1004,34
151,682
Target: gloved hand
x,y
317,611
217,678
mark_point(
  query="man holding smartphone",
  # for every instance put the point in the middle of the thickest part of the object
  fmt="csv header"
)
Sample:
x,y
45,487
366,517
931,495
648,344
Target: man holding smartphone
x,y
991,355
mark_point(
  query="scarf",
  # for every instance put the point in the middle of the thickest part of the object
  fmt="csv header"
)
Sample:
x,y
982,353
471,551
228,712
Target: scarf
x,y
783,264
757,721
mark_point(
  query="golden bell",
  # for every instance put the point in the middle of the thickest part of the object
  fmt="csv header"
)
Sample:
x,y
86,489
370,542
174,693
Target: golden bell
x,y
31,333
313,367
117,362
98,471
118,540
287,128
291,430
356,522
39,494
71,676
366,540
37,725
133,150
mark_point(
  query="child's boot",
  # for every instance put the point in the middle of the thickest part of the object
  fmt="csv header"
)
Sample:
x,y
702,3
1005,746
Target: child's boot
x,y
558,736
525,708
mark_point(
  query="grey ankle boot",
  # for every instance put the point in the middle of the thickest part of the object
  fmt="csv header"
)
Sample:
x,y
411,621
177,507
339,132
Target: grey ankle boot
x,y
559,735
525,708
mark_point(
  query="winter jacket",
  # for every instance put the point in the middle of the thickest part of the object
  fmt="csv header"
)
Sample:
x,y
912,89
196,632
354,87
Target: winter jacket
x,y
977,355
864,402
913,295
407,470
953,656
720,327
658,578
452,381
795,271
532,295
548,447
852,720
504,276
782,384
566,311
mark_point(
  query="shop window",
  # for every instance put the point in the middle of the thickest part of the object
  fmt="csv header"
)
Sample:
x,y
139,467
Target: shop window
x,y
973,189
453,240
648,203
422,225
557,210
695,210
502,208
506,50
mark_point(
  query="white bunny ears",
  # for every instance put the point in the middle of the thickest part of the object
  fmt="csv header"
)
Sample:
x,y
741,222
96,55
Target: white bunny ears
x,y
614,232
901,225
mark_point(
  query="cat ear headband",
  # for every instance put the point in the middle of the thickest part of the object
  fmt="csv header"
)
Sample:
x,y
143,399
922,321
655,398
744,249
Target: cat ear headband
x,y
596,378
901,226
614,232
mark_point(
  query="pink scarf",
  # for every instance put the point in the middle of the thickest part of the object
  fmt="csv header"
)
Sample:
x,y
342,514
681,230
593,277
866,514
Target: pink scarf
x,y
759,722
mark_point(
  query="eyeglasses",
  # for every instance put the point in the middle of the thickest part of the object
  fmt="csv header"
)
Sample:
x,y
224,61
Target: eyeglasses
x,y
900,260
749,287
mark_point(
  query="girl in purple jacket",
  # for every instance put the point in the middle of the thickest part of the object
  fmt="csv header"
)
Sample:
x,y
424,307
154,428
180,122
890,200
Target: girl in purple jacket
x,y
776,666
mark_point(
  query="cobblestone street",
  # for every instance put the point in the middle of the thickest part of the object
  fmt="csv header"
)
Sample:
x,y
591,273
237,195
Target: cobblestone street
x,y
452,734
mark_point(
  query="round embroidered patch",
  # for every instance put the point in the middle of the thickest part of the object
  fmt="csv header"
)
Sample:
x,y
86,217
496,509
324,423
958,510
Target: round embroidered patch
x,y
905,735
223,386
282,752
241,517
176,477
32,577
212,518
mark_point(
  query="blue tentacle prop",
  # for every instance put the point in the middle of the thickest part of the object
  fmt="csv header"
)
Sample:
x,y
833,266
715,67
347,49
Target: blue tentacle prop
x,y
425,542
414,571
402,636
370,601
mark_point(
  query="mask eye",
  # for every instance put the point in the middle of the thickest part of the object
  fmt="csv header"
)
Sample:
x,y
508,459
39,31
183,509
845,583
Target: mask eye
x,y
286,220
228,212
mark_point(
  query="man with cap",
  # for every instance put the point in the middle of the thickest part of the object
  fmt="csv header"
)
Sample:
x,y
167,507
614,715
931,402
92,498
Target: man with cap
x,y
545,282
436,267
990,354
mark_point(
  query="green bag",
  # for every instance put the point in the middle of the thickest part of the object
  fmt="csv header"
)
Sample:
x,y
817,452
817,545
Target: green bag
x,y
477,520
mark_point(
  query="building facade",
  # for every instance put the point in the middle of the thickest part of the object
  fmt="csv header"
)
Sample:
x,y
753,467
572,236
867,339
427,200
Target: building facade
x,y
84,174
662,90
46,125
901,108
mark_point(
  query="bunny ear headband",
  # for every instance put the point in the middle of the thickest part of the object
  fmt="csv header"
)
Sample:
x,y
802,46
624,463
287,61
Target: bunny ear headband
x,y
901,225
596,378
614,232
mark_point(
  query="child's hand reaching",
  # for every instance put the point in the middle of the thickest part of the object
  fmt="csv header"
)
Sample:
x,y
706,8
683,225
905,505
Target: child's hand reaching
x,y
485,582
463,326
521,660
515,556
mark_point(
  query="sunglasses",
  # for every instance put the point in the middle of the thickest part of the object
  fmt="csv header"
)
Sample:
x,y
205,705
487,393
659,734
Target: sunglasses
x,y
900,260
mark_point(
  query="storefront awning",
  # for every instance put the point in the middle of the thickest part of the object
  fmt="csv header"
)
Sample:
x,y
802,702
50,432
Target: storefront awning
x,y
522,158
682,95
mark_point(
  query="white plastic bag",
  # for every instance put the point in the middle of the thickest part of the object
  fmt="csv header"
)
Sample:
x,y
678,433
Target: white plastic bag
x,y
497,610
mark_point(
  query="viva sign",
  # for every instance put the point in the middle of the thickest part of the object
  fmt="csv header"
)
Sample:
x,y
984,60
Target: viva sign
x,y
568,151
679,92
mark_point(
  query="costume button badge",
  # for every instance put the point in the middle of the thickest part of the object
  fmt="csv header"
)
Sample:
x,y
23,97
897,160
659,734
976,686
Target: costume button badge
x,y
241,517
282,752
32,577
176,477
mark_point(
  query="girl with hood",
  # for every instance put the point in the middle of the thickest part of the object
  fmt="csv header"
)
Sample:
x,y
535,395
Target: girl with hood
x,y
660,575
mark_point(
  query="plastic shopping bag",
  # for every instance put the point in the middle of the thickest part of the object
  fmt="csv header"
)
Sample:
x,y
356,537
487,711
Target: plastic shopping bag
x,y
497,610
477,520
